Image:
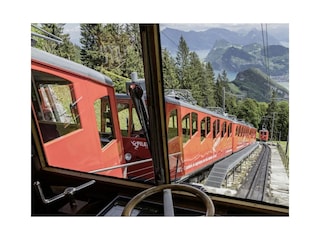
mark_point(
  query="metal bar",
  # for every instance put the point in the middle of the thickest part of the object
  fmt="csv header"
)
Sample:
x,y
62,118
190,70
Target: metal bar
x,y
128,164
151,51
168,203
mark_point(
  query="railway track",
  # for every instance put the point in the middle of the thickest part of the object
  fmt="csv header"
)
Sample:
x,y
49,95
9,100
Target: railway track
x,y
254,186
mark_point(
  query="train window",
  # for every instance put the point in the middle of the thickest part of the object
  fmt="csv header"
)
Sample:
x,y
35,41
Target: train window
x,y
173,124
55,105
224,128
208,125
205,127
186,127
229,129
123,114
194,122
216,128
136,125
104,120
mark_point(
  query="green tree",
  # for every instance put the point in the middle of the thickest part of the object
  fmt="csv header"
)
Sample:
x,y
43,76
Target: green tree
x,y
92,54
209,86
219,92
65,49
249,110
131,52
195,78
169,71
282,124
263,106
114,48
231,104
182,63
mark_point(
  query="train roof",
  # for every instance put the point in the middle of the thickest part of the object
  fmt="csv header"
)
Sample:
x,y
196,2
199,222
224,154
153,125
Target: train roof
x,y
65,64
263,130
205,110
170,99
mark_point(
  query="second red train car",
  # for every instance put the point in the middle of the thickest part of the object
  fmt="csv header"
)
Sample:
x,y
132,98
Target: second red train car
x,y
197,138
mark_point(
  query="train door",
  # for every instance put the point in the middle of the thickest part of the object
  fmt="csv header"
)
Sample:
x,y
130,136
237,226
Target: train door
x,y
216,137
135,144
225,145
206,140
235,138
78,124
240,140
229,135
190,139
176,164
136,149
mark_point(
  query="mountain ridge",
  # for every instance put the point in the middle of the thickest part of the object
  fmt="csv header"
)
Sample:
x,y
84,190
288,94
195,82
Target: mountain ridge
x,y
256,85
200,40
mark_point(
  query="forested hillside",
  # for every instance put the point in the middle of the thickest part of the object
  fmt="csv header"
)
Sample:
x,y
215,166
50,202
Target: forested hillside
x,y
237,58
257,85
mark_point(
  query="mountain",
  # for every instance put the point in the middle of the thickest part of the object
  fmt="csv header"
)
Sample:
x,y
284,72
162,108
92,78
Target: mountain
x,y
256,85
235,51
205,40
237,58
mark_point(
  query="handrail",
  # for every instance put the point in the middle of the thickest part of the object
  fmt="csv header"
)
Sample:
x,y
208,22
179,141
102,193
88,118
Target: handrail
x,y
128,164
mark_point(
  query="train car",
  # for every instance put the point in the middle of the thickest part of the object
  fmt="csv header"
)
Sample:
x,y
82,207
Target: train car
x,y
244,135
75,108
264,135
75,112
197,137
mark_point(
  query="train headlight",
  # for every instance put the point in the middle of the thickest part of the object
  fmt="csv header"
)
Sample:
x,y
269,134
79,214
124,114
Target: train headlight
x,y
128,157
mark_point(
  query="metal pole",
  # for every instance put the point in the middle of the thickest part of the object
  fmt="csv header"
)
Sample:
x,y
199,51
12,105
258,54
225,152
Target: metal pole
x,y
151,51
274,113
223,100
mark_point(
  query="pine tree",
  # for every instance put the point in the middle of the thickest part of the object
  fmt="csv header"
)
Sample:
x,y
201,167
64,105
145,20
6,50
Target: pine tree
x,y
92,54
64,49
182,63
283,120
114,48
218,95
132,51
195,80
208,93
169,71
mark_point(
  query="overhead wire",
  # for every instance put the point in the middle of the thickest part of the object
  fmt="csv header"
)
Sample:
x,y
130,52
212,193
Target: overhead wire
x,y
265,44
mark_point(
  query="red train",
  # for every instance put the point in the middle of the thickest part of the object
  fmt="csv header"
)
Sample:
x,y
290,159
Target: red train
x,y
75,112
196,136
84,127
264,135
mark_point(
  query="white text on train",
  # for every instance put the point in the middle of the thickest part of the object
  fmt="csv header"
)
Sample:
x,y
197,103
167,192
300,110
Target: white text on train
x,y
137,144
